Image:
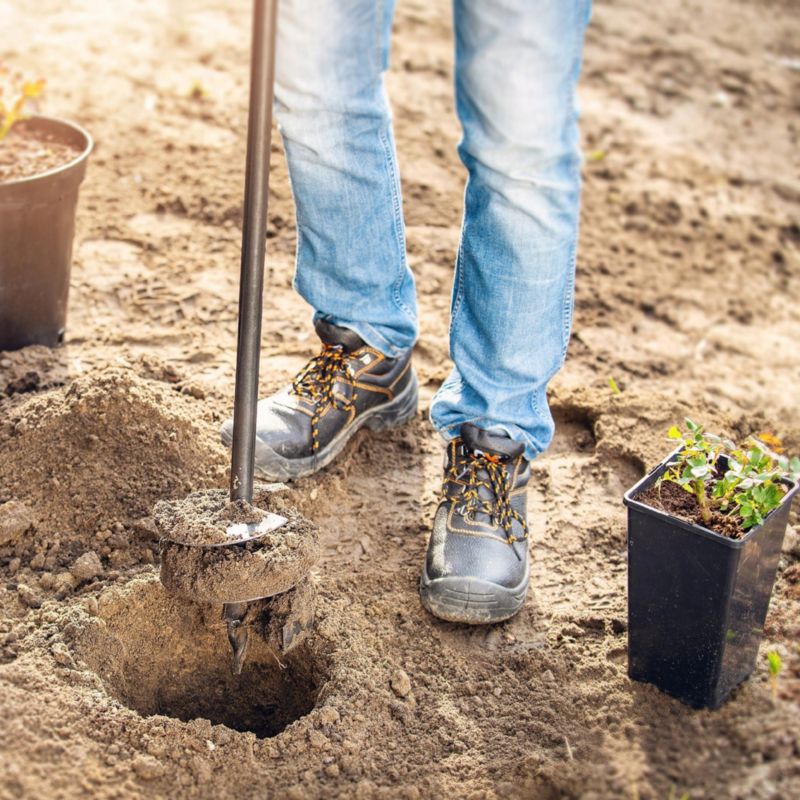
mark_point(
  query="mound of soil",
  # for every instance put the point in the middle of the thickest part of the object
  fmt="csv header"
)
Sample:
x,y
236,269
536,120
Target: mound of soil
x,y
104,450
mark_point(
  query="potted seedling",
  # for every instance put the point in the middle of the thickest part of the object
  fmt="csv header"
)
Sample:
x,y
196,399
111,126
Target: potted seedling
x,y
705,530
42,163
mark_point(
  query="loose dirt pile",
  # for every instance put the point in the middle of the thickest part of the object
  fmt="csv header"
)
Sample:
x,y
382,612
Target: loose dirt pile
x,y
104,450
687,295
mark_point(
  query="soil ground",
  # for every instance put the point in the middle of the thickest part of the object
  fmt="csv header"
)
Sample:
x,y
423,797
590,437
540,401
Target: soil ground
x,y
687,294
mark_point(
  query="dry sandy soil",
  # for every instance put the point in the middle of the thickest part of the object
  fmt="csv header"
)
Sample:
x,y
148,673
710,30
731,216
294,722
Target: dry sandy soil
x,y
689,277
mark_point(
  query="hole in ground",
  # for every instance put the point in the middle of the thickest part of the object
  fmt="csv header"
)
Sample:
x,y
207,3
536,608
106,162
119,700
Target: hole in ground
x,y
159,655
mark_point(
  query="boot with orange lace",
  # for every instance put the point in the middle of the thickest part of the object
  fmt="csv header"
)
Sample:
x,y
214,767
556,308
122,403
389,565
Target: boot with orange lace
x,y
477,567
347,386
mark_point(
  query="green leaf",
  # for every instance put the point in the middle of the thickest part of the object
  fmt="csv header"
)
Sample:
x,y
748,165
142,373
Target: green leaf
x,y
775,663
674,433
613,384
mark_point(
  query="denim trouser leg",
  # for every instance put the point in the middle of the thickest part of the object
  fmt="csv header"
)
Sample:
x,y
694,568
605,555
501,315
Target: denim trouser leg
x,y
517,64
334,118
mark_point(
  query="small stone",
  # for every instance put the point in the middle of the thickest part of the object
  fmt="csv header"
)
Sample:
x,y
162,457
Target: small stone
x,y
87,566
15,519
400,683
28,596
47,581
145,528
14,565
147,767
62,655
37,562
64,582
328,715
156,748
51,561
317,740
194,390
332,770
117,541
292,540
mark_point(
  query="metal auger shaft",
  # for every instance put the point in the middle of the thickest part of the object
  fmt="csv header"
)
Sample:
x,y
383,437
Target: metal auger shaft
x,y
233,614
251,287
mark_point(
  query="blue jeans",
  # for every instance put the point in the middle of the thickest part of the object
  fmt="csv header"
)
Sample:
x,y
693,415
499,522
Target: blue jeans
x,y
517,64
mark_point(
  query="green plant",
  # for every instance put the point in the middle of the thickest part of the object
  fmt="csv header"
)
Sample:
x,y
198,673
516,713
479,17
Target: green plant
x,y
673,795
775,665
722,477
15,92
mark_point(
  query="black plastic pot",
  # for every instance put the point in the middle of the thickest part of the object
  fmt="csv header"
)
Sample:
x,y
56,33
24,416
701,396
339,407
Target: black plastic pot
x,y
37,224
697,601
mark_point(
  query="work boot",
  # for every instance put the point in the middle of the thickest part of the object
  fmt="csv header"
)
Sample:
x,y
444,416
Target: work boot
x,y
349,385
477,568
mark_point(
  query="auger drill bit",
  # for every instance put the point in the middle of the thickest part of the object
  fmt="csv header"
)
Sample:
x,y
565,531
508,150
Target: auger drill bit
x,y
238,635
251,287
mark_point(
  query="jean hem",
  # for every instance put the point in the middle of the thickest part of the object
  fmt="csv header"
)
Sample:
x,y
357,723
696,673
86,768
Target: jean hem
x,y
368,333
451,431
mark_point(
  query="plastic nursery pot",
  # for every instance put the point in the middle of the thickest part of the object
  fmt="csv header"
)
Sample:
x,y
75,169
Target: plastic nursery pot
x,y
697,600
37,224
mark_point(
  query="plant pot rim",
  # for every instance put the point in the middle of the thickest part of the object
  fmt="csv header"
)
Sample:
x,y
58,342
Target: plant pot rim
x,y
82,156
692,527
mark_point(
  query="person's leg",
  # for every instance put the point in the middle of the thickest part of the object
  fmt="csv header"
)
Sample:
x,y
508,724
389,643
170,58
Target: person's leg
x,y
336,126
517,65
351,263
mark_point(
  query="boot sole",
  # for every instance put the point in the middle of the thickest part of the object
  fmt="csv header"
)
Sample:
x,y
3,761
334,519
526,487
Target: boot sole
x,y
473,601
397,412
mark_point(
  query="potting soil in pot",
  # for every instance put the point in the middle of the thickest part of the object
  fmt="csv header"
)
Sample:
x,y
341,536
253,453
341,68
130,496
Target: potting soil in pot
x,y
25,153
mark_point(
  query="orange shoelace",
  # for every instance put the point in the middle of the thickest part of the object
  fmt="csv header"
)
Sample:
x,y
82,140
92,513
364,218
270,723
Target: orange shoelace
x,y
315,382
498,508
